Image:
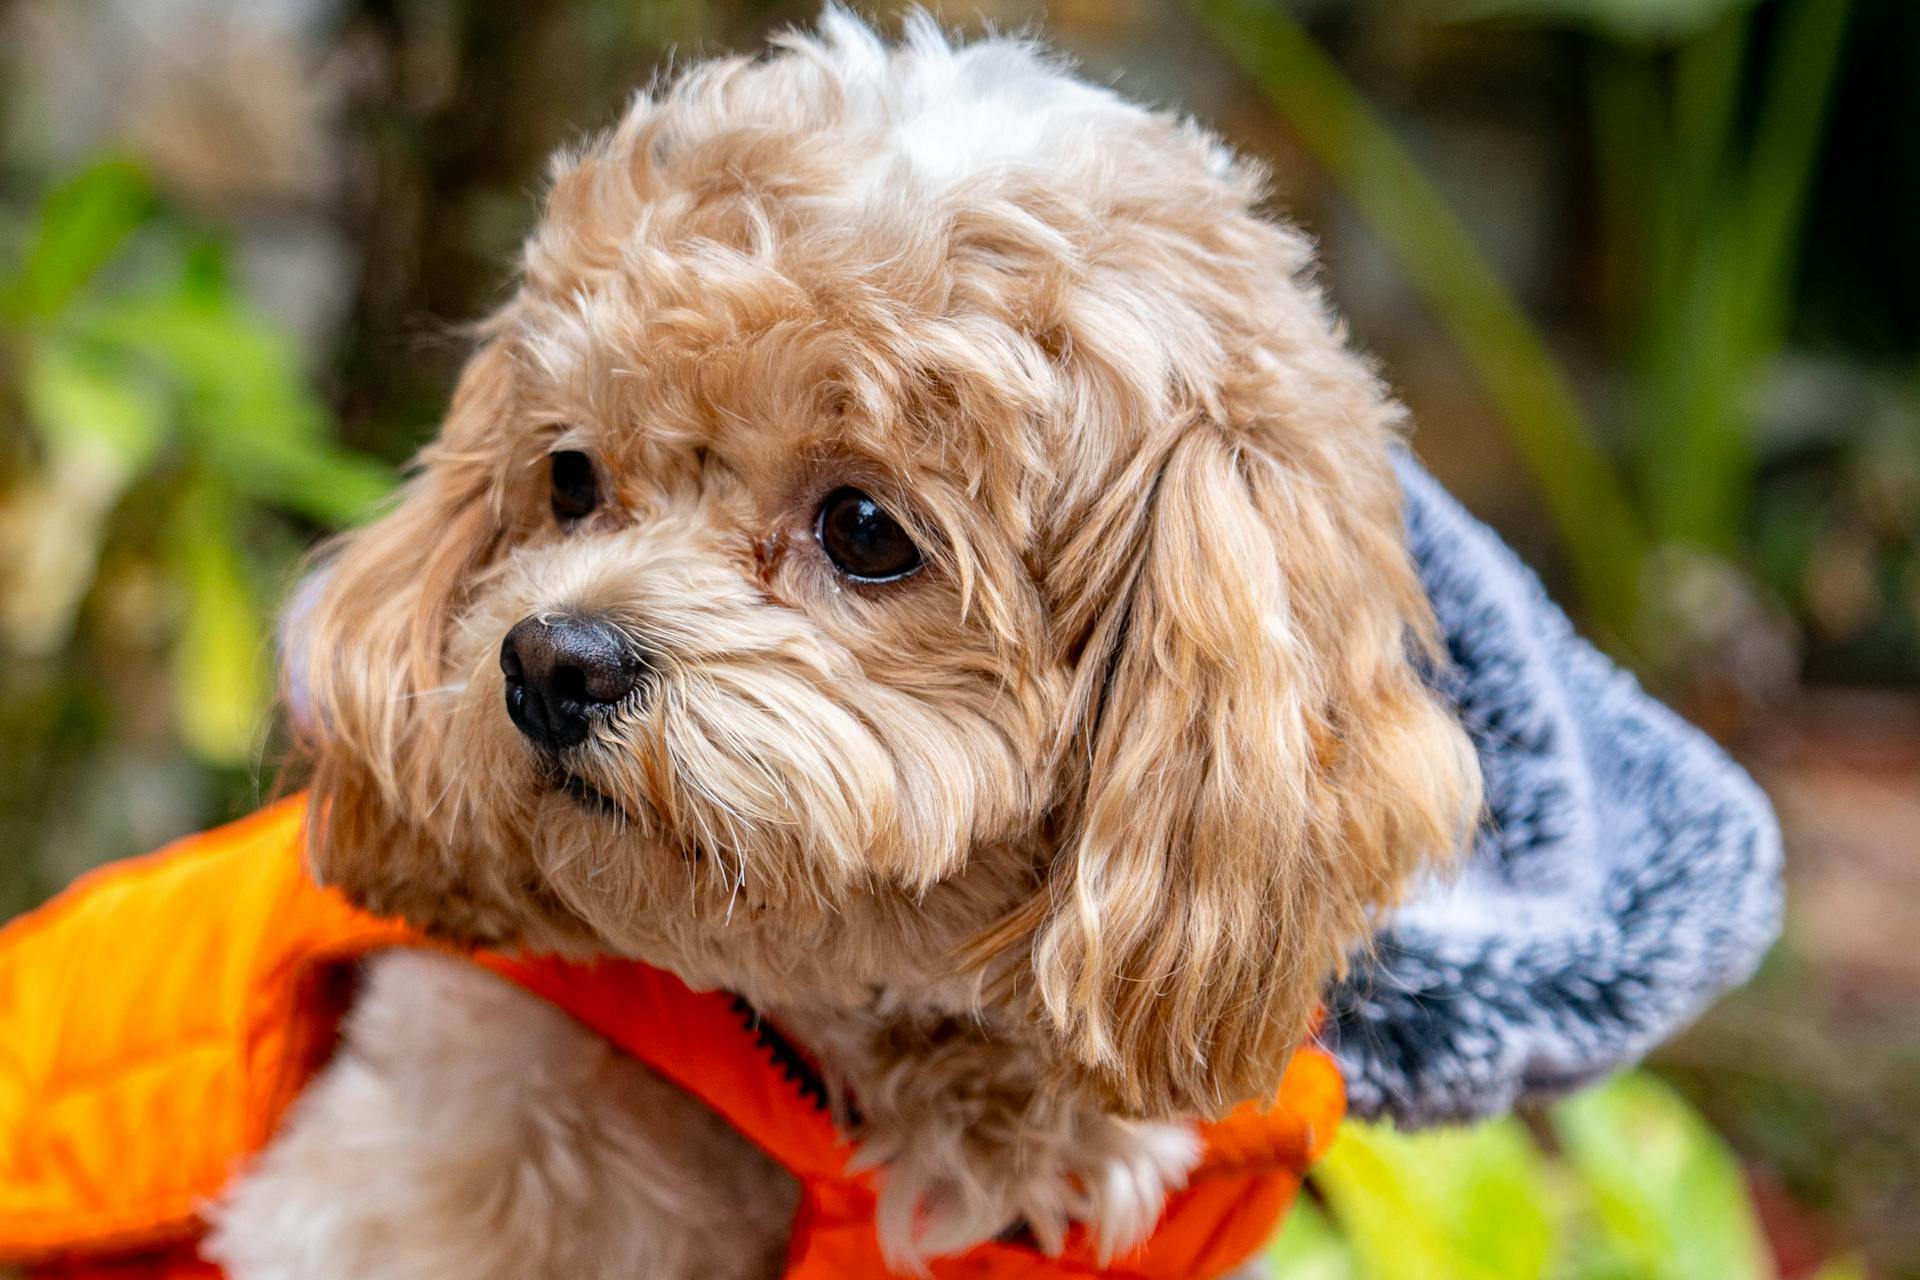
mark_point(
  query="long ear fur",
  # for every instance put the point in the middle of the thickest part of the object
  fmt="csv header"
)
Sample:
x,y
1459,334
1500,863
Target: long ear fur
x,y
1259,762
372,650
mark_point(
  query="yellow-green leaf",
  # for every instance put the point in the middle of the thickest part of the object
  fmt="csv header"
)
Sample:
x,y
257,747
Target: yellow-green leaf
x,y
90,407
99,425
1666,1192
1308,1248
220,678
246,406
1465,1203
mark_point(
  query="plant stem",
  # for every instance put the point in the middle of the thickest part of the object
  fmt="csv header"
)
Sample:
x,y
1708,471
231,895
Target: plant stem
x,y
1727,305
1598,527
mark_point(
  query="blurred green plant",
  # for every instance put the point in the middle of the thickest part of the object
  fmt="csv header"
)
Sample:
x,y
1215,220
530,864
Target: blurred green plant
x,y
162,461
1702,227
167,374
1635,1186
1703,233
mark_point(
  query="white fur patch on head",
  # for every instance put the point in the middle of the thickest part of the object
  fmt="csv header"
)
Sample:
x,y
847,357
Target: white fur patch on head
x,y
941,114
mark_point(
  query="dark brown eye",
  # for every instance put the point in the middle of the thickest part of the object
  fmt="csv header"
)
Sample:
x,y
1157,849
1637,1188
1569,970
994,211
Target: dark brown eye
x,y
862,540
575,490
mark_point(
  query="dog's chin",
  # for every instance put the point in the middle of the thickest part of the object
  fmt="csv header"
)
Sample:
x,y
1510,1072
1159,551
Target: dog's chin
x,y
611,860
592,799
576,815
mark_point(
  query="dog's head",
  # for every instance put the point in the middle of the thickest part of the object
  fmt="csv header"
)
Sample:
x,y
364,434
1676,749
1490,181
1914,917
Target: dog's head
x,y
910,497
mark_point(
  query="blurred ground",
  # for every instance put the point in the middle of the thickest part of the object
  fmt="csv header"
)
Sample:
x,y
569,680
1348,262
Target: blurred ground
x,y
1815,1068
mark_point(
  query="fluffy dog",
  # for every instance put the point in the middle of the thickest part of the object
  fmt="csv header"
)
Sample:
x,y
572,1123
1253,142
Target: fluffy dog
x,y
913,551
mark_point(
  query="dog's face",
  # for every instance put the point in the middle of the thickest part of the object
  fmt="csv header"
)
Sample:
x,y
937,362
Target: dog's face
x,y
910,499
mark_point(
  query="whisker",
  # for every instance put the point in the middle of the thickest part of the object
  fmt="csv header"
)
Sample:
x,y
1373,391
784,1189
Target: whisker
x,y
445,690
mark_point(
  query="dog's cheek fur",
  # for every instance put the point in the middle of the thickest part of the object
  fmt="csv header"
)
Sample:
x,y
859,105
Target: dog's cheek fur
x,y
375,685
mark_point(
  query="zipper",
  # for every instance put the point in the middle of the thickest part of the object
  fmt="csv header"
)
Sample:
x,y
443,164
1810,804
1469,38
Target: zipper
x,y
785,1056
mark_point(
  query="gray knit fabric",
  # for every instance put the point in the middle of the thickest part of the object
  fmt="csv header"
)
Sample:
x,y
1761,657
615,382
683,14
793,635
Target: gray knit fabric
x,y
1625,874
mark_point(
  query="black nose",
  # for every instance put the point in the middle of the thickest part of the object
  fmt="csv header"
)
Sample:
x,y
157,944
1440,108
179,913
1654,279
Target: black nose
x,y
560,671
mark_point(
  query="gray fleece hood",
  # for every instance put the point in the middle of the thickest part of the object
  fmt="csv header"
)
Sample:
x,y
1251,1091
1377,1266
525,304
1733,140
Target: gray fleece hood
x,y
1626,871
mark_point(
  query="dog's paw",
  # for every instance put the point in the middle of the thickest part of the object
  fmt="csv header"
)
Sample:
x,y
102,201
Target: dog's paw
x,y
1119,1196
946,1189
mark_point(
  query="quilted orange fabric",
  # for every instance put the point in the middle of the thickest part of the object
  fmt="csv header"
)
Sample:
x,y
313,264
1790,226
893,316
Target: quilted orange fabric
x,y
157,1019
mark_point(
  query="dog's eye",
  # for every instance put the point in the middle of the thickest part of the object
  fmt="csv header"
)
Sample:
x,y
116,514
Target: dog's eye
x,y
862,540
575,490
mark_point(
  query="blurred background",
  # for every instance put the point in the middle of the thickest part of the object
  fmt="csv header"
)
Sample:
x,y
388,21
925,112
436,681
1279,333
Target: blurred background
x,y
1646,271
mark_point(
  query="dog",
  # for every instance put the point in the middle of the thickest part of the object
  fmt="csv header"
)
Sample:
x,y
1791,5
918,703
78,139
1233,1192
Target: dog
x,y
914,550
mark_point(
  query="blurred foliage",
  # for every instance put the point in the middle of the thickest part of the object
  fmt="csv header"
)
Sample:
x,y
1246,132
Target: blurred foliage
x,y
164,459
1702,210
1625,1183
1622,20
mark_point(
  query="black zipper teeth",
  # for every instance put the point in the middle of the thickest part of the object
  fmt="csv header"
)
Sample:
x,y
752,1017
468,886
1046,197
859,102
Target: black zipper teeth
x,y
793,1065
797,1071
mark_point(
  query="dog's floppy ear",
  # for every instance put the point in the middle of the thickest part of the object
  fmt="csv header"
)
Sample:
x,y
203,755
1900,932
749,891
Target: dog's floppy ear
x,y
370,647
1257,762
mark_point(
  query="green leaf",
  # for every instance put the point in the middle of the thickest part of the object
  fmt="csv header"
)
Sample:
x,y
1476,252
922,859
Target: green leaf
x,y
221,685
325,483
83,223
1308,1248
1667,1194
1471,1204
240,373
85,404
1726,312
245,400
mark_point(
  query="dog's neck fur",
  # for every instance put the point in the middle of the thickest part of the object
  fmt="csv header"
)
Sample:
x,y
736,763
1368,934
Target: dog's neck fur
x,y
942,1080
973,1135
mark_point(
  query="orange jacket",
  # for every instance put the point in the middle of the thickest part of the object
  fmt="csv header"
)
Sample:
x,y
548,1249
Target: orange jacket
x,y
157,1019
